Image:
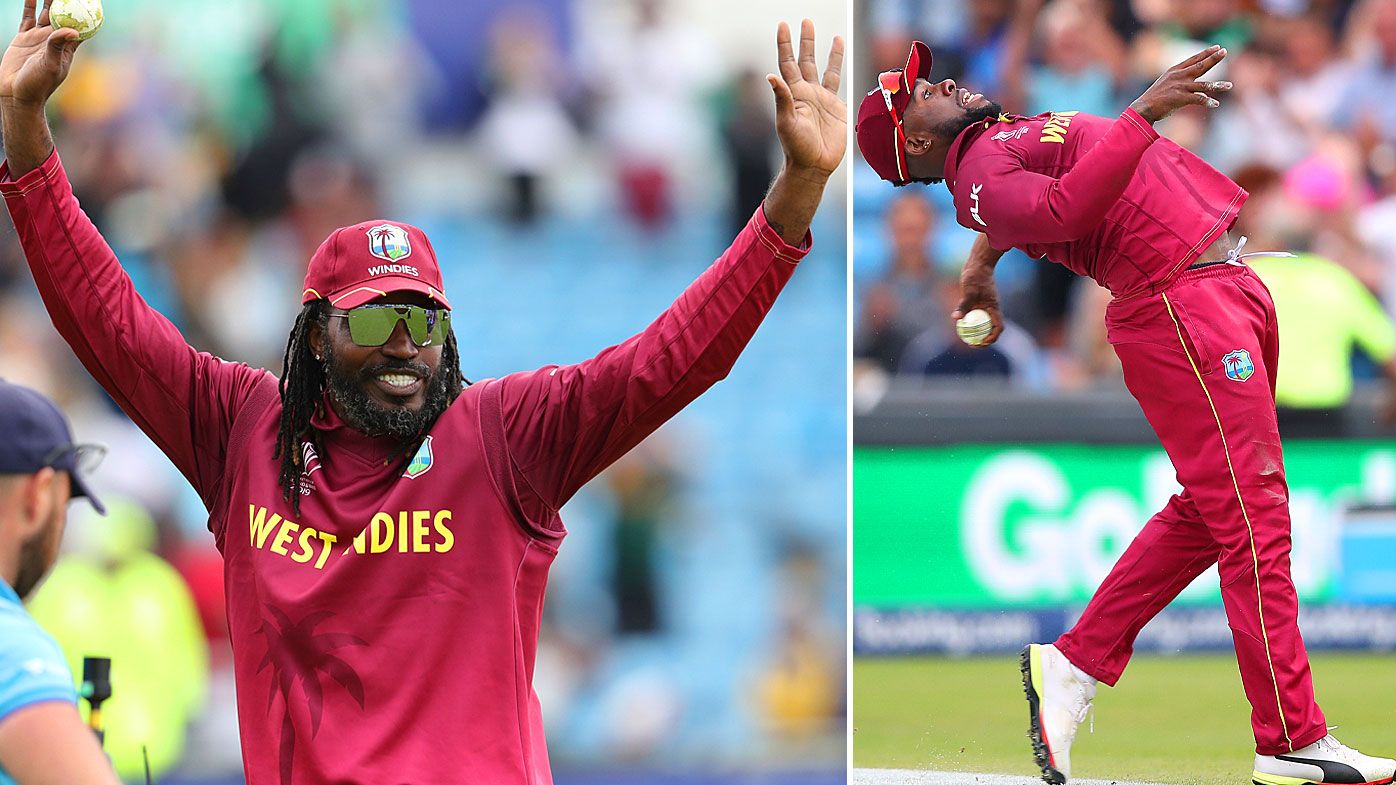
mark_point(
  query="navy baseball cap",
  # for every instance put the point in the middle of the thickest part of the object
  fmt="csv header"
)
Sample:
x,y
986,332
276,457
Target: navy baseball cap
x,y
35,435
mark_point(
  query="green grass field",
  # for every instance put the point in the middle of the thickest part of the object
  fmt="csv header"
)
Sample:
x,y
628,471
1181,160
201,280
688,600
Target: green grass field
x,y
1177,720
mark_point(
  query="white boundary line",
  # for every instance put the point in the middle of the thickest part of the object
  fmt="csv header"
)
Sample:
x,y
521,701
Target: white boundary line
x,y
908,777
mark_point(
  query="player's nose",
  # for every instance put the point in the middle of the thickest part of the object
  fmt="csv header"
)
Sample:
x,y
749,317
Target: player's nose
x,y
400,344
946,87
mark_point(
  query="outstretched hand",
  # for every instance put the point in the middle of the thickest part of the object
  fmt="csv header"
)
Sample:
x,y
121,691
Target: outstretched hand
x,y
812,124
34,65
1179,86
811,120
37,60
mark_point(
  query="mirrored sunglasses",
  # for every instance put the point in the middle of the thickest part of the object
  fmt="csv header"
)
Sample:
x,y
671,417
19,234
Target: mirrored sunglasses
x,y
373,325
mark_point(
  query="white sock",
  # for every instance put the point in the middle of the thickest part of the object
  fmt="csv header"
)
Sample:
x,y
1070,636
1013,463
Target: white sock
x,y
1083,676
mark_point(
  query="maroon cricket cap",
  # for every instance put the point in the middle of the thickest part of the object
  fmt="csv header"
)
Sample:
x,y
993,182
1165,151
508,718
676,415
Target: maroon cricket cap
x,y
359,263
882,144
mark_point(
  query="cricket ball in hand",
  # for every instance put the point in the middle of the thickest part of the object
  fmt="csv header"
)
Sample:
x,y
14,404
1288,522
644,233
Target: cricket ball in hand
x,y
975,327
84,16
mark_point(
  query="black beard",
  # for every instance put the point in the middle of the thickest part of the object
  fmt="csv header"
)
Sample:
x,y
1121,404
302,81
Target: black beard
x,y
364,414
950,129
31,564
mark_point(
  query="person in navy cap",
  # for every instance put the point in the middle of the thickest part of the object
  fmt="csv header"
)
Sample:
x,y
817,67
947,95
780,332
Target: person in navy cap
x,y
42,738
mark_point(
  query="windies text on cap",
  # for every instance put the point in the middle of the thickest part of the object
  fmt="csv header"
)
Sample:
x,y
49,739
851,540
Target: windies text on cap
x,y
402,269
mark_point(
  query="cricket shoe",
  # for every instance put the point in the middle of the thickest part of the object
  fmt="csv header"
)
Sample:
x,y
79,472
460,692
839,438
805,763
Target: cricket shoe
x,y
1057,704
1325,762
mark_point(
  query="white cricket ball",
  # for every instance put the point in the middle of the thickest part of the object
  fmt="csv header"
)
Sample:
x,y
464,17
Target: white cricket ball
x,y
84,16
975,327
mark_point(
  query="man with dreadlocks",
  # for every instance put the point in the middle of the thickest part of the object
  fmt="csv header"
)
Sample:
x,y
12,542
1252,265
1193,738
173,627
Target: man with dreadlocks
x,y
1195,332
386,528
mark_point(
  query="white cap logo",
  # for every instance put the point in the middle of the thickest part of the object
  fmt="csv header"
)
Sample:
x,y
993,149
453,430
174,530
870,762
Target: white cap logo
x,y
389,243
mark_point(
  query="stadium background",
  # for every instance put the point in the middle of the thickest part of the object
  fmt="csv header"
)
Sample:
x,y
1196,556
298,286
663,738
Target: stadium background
x,y
993,490
576,163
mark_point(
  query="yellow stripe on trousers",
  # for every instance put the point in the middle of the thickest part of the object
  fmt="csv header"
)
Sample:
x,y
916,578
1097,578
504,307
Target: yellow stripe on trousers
x,y
1255,557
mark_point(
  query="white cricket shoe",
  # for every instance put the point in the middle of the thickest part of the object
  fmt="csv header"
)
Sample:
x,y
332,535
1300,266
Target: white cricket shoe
x,y
1057,704
1325,762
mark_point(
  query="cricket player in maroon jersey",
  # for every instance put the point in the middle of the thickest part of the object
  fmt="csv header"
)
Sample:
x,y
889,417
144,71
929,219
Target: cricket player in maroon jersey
x,y
1195,332
386,527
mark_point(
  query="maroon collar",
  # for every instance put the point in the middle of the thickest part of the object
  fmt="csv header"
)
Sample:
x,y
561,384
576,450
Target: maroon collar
x,y
965,139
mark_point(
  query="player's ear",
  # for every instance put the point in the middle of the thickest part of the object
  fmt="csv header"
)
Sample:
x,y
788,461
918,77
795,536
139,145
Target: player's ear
x,y
37,500
316,336
917,144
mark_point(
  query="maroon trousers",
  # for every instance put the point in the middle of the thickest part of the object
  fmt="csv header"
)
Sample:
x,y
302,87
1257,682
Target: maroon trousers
x,y
1201,360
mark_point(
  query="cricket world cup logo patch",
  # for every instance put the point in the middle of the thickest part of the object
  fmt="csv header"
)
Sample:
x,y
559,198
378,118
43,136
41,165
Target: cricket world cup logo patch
x,y
389,243
421,462
1238,365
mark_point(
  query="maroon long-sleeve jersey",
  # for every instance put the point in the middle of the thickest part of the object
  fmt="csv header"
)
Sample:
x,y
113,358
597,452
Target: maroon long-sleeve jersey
x,y
1108,199
386,633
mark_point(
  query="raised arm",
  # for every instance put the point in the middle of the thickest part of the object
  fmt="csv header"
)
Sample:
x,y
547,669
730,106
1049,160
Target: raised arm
x,y
183,399
812,125
564,425
1020,207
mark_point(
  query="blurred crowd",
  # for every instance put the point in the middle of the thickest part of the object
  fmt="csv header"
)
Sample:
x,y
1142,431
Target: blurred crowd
x,y
544,146
1309,130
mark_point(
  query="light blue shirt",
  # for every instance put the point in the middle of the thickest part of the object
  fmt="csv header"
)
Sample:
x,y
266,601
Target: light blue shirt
x,y
32,666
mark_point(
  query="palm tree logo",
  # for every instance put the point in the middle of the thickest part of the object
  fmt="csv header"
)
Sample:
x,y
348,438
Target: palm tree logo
x,y
297,656
389,243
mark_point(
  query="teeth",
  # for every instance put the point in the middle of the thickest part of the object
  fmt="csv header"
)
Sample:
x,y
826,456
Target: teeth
x,y
398,379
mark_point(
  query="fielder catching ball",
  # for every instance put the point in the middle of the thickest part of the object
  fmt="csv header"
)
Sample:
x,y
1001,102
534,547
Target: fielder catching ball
x,y
386,526
1195,331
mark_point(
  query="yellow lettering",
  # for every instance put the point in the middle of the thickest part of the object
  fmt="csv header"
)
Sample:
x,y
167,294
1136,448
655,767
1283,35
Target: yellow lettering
x,y
420,530
329,540
447,538
303,555
288,529
382,522
402,532
1054,130
260,527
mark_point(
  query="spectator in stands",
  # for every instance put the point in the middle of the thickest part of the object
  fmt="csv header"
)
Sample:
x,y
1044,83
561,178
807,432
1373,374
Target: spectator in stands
x,y
525,128
1191,25
1083,62
1368,106
1256,124
654,76
800,689
1314,80
644,487
938,351
905,301
749,138
1375,227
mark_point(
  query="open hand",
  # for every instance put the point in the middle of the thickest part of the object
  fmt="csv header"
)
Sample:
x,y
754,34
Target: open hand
x,y
811,121
1179,87
37,60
